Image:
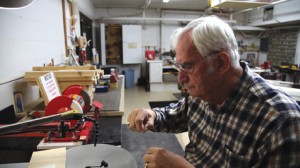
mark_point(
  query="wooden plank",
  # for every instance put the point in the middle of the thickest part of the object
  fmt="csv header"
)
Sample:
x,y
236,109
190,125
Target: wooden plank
x,y
65,26
89,80
56,68
69,75
63,84
83,83
122,98
48,158
62,73
53,145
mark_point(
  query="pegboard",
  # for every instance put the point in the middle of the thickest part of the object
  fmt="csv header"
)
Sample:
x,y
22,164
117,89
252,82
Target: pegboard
x,y
282,46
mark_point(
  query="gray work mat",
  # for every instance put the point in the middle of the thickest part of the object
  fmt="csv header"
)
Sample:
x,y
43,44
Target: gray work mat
x,y
109,98
138,143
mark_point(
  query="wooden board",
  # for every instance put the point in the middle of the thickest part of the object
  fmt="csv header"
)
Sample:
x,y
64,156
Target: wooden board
x,y
68,75
48,158
56,68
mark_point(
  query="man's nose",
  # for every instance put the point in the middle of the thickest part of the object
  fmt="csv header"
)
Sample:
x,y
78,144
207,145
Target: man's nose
x,y
182,77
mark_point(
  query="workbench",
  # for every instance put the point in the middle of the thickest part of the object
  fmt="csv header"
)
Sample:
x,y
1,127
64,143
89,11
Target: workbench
x,y
259,70
111,114
20,149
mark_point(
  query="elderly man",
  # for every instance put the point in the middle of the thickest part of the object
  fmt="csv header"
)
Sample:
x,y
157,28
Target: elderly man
x,y
234,118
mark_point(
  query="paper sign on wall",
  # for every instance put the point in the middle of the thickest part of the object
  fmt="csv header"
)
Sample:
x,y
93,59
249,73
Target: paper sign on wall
x,y
132,45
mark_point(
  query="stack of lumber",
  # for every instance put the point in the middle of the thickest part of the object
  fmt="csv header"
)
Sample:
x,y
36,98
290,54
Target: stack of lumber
x,y
66,75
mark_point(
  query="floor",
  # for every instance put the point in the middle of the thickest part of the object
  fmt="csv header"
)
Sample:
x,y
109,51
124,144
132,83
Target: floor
x,y
137,97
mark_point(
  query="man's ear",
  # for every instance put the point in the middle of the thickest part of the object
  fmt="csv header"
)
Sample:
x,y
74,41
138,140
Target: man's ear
x,y
223,62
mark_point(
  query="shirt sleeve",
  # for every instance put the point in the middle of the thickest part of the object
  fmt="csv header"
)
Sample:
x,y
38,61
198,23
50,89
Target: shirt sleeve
x,y
172,118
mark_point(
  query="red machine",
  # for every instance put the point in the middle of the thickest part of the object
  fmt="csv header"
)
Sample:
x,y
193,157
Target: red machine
x,y
76,127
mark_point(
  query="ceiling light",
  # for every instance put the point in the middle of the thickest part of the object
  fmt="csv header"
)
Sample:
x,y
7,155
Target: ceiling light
x,y
166,1
14,4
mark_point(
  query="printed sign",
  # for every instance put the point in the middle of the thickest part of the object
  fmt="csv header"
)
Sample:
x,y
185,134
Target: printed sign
x,y
48,87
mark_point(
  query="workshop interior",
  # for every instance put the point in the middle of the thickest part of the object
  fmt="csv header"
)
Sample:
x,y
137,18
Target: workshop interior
x,y
72,70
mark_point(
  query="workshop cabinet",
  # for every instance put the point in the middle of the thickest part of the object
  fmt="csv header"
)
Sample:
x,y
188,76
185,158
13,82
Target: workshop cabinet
x,y
132,44
154,75
121,44
155,71
113,44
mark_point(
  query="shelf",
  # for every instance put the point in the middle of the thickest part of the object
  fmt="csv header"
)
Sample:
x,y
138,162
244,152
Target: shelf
x,y
238,4
248,28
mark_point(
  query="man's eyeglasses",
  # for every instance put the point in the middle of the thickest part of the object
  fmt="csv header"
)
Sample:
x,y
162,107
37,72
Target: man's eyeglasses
x,y
186,67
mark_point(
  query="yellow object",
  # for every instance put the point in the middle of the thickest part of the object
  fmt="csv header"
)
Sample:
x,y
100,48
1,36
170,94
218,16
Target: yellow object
x,y
284,66
70,112
113,85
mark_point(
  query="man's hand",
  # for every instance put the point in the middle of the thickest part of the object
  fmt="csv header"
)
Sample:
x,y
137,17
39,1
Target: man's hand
x,y
141,120
161,158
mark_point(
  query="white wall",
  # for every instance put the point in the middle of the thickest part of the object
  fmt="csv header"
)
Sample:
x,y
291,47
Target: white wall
x,y
283,12
169,26
155,33
28,37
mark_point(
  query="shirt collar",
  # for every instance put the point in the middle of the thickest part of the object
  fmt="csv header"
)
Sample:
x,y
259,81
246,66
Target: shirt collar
x,y
244,83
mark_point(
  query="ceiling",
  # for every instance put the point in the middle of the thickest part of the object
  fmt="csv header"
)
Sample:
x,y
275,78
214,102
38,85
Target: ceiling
x,y
195,5
185,5
190,5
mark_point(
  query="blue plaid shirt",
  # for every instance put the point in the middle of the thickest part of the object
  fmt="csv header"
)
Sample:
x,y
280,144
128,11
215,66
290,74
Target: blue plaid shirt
x,y
257,126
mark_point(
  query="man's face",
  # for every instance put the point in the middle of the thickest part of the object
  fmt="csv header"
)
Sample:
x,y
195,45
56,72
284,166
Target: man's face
x,y
199,77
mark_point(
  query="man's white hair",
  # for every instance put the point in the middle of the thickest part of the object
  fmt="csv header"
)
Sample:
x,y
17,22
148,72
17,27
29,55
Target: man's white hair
x,y
210,34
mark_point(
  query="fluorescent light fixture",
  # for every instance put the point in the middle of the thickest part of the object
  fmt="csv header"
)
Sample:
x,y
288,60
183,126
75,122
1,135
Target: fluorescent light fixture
x,y
14,4
166,1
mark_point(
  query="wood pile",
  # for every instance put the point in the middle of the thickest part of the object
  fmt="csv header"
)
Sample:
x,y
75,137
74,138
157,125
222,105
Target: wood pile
x,y
66,75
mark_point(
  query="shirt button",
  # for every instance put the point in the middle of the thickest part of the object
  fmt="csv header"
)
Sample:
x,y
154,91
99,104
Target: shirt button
x,y
191,149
